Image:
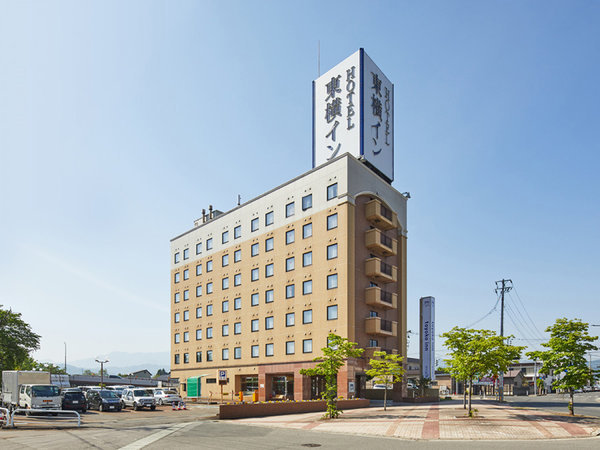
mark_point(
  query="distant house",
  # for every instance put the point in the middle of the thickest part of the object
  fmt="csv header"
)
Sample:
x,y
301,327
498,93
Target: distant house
x,y
142,374
514,382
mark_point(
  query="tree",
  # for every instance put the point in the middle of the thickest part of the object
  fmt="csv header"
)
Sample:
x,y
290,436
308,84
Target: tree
x,y
385,369
568,344
334,356
160,372
478,353
17,340
32,364
423,383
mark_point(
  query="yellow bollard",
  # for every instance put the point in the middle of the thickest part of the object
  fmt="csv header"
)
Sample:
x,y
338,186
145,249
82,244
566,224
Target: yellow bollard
x,y
255,396
242,396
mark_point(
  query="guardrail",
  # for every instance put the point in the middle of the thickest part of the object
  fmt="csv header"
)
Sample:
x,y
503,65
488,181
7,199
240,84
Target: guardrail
x,y
35,416
4,417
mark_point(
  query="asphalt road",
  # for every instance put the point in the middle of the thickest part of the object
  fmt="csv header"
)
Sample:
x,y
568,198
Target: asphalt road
x,y
586,404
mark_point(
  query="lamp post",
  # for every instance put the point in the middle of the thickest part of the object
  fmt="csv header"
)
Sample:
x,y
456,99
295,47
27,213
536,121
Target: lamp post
x,y
102,362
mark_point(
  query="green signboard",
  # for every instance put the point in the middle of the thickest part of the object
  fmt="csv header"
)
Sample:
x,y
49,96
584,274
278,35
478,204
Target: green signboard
x,y
193,387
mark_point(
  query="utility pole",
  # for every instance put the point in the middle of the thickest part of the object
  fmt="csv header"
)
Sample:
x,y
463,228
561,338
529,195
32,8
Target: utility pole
x,y
502,286
65,357
102,362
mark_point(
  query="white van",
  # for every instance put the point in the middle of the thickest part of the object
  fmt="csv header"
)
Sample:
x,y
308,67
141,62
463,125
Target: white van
x,y
39,396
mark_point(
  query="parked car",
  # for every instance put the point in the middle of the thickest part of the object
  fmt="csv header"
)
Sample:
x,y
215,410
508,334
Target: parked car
x,y
103,400
138,398
74,399
166,396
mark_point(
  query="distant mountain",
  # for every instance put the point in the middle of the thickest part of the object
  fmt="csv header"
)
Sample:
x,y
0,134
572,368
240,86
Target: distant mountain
x,y
122,362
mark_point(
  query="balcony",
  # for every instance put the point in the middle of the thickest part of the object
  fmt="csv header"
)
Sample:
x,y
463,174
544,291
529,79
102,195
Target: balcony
x,y
377,297
381,216
379,243
381,327
370,351
380,271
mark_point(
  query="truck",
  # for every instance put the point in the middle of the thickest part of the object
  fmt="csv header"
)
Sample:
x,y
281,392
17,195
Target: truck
x,y
29,389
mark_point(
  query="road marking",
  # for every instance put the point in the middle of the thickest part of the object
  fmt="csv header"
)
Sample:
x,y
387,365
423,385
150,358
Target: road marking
x,y
141,443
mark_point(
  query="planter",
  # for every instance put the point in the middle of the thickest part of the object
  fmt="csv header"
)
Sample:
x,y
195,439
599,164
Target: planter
x,y
240,410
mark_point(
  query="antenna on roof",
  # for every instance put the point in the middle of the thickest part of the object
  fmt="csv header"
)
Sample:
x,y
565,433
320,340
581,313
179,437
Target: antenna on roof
x,y
239,199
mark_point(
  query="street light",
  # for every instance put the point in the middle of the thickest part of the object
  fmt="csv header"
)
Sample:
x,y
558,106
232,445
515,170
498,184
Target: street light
x,y
102,362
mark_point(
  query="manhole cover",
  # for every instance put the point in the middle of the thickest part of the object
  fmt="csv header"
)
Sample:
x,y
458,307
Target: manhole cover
x,y
311,445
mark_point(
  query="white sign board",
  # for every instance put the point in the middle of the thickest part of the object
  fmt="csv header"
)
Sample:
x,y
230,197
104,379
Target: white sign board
x,y
222,375
353,112
427,336
351,387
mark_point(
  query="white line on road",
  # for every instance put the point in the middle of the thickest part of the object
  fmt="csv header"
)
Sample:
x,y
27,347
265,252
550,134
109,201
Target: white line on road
x,y
141,443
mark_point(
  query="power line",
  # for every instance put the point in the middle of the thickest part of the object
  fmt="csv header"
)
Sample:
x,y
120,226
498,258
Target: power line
x,y
539,333
487,315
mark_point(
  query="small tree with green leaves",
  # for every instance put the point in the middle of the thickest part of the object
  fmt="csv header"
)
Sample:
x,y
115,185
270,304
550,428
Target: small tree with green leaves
x,y
478,353
17,340
32,364
385,368
569,342
423,383
338,350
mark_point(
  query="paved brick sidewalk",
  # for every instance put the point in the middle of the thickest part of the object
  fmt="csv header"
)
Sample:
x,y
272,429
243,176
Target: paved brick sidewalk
x,y
445,420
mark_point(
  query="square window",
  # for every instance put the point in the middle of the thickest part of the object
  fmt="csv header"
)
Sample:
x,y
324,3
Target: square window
x,y
198,312
289,209
177,338
237,279
186,336
209,244
237,303
225,306
209,333
307,346
199,269
254,249
332,312
290,319
254,274
254,224
290,236
177,297
225,237
176,359
237,232
307,231
176,258
332,221
254,299
269,349
186,358
290,348
225,354
198,248
332,251
307,287
225,260
290,291
373,343
186,315
306,202
269,296
199,290
237,328
186,253
176,317
332,281
307,259
254,350
186,274
209,288
225,283
254,325
332,191
199,334
289,264
269,270
237,256
186,295
269,218
225,330
209,355
198,357
209,266
237,352
269,244
269,322
176,277
209,310
307,316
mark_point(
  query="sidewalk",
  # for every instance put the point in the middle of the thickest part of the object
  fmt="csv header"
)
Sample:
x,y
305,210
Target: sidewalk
x,y
444,420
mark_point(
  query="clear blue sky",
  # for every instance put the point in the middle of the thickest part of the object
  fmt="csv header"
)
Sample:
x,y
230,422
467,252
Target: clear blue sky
x,y
120,121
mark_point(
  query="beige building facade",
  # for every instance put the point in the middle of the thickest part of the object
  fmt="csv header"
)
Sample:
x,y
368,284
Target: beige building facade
x,y
255,291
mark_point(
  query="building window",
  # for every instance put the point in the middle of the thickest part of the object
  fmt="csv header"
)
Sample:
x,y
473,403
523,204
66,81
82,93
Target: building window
x,y
186,358
254,325
198,312
332,221
225,283
209,244
209,266
269,218
269,245
176,258
199,334
225,354
269,270
290,319
254,249
186,315
198,248
186,274
306,202
269,296
289,264
176,277
199,269
198,357
332,312
237,303
237,279
307,287
209,333
209,288
332,251
307,346
269,322
254,299
186,336
237,256
290,291
307,259
224,330
186,295
254,274
237,232
373,314
237,328
177,338
269,349
307,316
186,253
332,281
290,348
254,224
177,297
332,191
237,352
176,317
290,236
307,231
225,260
254,351
176,358
199,290
209,355
225,237
209,310
289,209
225,306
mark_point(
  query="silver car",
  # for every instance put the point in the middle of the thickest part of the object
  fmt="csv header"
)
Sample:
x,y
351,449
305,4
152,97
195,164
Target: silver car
x,y
138,398
166,396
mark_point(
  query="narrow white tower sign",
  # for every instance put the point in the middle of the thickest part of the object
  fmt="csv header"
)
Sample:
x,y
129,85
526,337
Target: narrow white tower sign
x,y
353,112
427,337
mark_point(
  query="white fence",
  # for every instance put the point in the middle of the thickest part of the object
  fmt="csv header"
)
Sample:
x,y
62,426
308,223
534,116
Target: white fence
x,y
43,417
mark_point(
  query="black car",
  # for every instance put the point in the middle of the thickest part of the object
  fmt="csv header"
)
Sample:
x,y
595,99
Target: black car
x,y
103,400
74,400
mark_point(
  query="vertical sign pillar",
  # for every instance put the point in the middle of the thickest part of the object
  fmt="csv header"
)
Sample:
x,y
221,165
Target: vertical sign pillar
x,y
427,337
